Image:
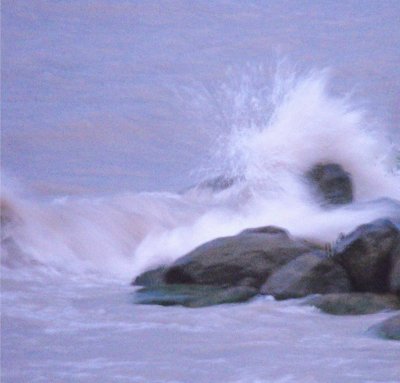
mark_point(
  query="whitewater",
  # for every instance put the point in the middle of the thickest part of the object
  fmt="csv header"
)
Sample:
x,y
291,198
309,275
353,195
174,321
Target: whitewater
x,y
68,313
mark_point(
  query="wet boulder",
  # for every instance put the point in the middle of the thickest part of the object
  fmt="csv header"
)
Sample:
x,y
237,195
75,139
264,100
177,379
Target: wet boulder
x,y
193,295
388,329
312,273
244,259
354,303
331,183
366,255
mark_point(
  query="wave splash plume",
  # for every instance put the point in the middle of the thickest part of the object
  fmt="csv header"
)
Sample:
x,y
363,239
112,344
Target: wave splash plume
x,y
275,136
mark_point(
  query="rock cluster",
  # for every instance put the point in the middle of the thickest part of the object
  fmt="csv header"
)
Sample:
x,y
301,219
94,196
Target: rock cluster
x,y
360,275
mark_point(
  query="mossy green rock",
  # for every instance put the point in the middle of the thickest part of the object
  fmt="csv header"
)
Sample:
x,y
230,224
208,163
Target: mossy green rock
x,y
354,303
192,295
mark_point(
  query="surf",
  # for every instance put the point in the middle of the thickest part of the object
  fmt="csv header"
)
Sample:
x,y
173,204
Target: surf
x,y
274,136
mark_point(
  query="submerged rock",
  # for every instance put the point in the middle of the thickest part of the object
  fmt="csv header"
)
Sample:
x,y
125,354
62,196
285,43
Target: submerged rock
x,y
218,183
354,303
193,295
366,254
331,183
389,328
250,256
312,273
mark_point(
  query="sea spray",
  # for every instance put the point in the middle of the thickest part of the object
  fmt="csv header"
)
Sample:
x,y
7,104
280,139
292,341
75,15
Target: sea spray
x,y
84,235
303,125
276,134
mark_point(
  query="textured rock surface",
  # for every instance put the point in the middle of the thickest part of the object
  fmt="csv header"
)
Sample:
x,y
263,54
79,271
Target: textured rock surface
x,y
308,274
366,254
251,255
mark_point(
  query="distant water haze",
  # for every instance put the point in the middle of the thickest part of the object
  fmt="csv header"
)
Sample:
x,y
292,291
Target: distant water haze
x,y
100,97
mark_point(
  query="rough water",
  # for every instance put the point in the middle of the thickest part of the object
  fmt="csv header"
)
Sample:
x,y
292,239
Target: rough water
x,y
67,260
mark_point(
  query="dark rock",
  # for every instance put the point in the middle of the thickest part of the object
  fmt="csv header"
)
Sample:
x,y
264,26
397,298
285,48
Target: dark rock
x,y
227,261
308,274
151,278
331,183
394,278
218,183
354,303
389,328
193,295
365,254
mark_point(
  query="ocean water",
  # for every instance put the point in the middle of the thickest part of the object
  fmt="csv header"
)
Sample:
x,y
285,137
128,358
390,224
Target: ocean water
x,y
112,114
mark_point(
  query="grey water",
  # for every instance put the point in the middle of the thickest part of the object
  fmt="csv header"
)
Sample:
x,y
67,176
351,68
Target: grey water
x,y
112,110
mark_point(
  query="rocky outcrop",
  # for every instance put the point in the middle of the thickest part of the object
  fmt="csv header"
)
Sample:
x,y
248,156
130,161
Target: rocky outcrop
x,y
366,254
354,303
312,273
388,329
247,258
268,260
331,184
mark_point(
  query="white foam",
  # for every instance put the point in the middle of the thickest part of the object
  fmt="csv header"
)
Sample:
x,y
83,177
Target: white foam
x,y
304,125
